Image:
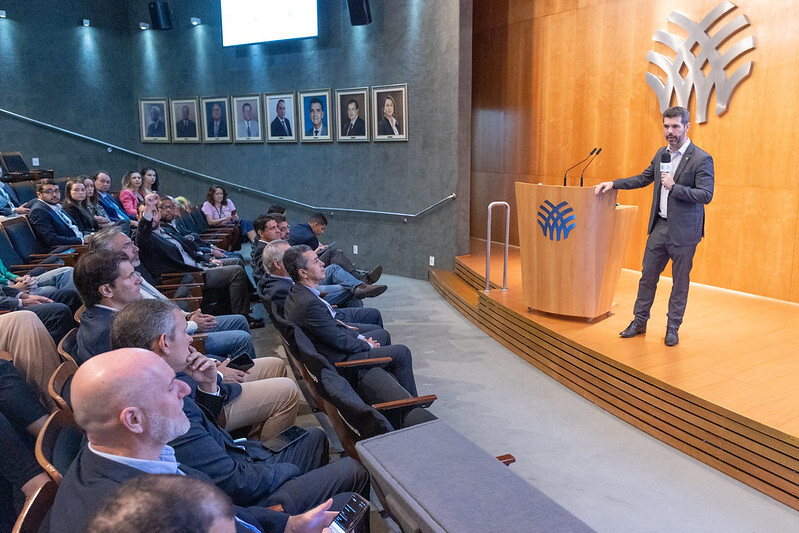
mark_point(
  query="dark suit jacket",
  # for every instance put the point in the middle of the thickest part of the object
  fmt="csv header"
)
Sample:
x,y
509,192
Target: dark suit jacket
x,y
156,129
112,215
91,479
256,252
322,131
186,130
331,339
50,230
12,195
303,234
693,188
222,128
274,290
277,129
94,333
157,255
238,469
82,218
359,128
384,127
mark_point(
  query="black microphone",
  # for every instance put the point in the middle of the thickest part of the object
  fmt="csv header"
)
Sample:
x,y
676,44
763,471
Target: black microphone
x,y
586,166
580,163
665,162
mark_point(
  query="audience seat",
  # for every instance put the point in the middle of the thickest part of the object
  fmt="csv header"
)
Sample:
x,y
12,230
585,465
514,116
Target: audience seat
x,y
36,508
58,444
58,386
68,345
14,262
22,238
25,190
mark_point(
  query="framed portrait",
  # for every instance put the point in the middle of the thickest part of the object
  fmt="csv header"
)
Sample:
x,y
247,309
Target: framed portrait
x,y
216,119
317,120
390,113
184,113
247,117
281,115
352,107
153,119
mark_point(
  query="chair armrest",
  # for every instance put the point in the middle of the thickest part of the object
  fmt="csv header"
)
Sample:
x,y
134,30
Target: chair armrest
x,y
194,302
418,401
197,277
363,362
24,269
68,259
198,342
195,289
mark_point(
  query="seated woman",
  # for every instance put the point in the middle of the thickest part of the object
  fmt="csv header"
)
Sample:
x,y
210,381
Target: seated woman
x,y
220,211
93,204
76,205
132,193
149,180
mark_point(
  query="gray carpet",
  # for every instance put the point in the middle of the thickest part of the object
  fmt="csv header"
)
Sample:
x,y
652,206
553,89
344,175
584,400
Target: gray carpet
x,y
610,475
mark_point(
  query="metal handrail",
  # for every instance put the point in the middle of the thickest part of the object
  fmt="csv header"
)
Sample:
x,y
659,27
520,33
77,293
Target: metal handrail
x,y
233,186
488,247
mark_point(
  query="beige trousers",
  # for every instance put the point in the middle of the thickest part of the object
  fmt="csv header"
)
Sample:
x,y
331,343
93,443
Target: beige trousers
x,y
32,350
268,401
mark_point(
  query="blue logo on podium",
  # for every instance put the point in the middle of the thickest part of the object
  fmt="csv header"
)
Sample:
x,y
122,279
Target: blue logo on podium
x,y
556,221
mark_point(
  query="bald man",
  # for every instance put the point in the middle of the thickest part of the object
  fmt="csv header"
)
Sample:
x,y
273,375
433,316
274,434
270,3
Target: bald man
x,y
130,404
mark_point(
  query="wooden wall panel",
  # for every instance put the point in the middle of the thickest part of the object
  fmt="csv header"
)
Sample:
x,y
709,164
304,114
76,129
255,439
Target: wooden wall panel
x,y
572,77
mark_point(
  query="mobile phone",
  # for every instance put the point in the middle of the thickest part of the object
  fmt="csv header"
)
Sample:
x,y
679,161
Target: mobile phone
x,y
327,246
241,362
352,514
278,442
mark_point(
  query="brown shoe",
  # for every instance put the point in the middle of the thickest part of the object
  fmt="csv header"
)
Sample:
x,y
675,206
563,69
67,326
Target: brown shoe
x,y
365,290
372,277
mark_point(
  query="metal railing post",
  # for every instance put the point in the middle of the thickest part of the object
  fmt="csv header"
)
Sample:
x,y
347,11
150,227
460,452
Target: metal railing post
x,y
488,247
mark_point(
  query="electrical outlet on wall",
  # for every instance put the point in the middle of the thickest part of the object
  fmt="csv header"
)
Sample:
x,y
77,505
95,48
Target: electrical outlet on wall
x,y
354,249
432,261
36,161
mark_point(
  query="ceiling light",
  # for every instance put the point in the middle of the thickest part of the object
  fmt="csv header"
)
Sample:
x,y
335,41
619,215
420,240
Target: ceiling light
x,y
144,26
195,21
86,23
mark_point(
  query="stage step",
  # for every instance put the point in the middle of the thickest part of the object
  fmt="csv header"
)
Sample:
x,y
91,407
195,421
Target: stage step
x,y
460,294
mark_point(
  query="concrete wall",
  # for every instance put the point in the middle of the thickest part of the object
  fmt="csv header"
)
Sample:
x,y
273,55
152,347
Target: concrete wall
x,y
89,80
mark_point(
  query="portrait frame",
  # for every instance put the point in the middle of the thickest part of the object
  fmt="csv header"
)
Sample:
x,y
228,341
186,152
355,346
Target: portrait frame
x,y
240,133
343,99
399,95
181,131
207,105
270,111
145,120
328,123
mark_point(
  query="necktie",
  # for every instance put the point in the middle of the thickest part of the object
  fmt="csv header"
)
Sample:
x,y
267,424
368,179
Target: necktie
x,y
249,133
349,128
316,133
5,200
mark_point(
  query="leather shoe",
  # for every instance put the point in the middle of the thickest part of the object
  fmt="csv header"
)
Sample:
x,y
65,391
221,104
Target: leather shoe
x,y
671,336
635,328
371,277
365,290
255,323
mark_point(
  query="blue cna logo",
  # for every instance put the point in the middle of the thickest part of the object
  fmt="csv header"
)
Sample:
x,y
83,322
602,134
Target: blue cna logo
x,y
556,221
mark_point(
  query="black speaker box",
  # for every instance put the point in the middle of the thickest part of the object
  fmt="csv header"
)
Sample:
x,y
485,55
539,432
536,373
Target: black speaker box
x,y
160,16
360,13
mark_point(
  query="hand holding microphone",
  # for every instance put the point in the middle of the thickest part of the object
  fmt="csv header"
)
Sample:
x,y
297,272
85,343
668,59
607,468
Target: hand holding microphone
x,y
665,170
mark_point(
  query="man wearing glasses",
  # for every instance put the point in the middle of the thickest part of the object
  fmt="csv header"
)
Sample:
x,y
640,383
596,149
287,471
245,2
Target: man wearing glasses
x,y
52,226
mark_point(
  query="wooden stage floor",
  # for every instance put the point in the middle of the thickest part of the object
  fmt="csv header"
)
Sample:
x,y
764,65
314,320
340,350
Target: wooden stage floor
x,y
728,394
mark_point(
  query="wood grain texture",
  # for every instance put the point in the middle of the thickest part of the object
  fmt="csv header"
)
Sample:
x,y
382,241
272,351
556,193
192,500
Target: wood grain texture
x,y
555,78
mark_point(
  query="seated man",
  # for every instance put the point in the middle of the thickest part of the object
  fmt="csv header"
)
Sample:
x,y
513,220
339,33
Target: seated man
x,y
275,287
169,502
42,284
113,207
51,224
10,203
227,335
307,234
21,419
268,405
129,403
267,231
55,312
107,283
161,253
32,350
332,338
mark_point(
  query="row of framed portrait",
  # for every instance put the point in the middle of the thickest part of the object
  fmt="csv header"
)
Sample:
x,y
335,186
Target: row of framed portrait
x,y
350,117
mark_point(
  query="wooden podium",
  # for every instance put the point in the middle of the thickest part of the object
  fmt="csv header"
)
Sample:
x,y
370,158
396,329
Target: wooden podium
x,y
572,244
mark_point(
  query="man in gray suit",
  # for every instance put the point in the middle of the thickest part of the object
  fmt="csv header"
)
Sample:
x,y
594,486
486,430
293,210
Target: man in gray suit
x,y
676,222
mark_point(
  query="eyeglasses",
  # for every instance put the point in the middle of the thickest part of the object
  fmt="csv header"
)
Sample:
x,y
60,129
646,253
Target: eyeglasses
x,y
51,191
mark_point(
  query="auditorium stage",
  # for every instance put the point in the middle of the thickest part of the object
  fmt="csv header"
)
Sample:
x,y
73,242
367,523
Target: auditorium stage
x,y
727,395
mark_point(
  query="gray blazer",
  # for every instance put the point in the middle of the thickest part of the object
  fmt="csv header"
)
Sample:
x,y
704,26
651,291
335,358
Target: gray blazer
x,y
693,188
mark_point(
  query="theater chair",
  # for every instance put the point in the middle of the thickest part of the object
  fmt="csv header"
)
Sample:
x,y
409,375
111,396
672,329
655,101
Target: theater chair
x,y
16,265
36,508
22,238
58,444
58,386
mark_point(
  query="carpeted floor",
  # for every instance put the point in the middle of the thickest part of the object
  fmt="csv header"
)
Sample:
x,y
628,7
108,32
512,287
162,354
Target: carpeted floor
x,y
612,476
